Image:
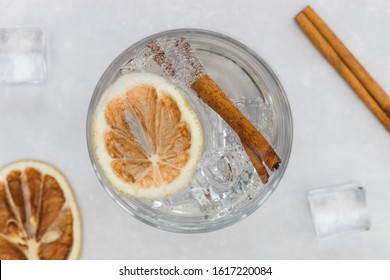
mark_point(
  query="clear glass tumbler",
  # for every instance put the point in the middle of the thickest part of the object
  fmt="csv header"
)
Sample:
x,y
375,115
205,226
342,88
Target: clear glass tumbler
x,y
225,188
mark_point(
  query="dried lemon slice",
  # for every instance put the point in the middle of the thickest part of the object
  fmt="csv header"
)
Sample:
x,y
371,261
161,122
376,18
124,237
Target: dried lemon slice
x,y
39,218
147,140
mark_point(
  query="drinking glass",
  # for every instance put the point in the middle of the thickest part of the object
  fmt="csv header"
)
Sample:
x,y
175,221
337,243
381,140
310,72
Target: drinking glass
x,y
225,188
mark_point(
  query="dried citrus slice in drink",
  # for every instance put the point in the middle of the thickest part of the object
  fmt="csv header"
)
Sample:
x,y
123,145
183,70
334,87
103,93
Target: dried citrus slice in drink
x,y
147,139
39,218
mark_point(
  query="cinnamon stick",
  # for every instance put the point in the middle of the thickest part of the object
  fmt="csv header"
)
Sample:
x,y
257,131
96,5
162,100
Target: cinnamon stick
x,y
334,59
254,158
257,164
214,96
255,145
348,58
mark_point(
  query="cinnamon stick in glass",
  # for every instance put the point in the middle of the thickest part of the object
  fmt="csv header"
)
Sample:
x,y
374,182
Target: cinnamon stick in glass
x,y
214,96
255,145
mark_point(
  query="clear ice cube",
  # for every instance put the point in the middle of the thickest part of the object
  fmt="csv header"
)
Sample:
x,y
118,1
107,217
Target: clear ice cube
x,y
199,193
339,209
22,55
224,178
222,168
177,62
259,113
181,203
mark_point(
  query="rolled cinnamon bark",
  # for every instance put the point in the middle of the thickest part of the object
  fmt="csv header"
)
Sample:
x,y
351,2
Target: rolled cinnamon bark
x,y
348,58
257,164
215,97
338,64
255,145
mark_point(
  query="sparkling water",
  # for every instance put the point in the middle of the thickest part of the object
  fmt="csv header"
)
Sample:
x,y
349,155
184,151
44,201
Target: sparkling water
x,y
225,176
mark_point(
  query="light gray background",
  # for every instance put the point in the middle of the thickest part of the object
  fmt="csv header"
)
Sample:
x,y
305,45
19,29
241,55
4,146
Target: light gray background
x,y
336,138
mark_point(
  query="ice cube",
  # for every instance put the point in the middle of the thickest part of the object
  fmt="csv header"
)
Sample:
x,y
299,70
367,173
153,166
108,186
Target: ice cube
x,y
179,203
22,55
141,61
181,198
222,168
338,209
259,113
176,60
201,197
224,178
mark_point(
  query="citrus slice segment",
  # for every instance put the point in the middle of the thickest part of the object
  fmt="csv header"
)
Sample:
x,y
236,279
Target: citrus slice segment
x,y
39,218
147,139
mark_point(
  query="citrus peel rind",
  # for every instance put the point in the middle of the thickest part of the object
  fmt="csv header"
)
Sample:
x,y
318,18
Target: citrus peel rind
x,y
147,140
39,217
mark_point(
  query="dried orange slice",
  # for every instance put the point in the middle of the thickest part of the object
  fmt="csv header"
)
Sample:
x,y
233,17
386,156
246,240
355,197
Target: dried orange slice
x,y
147,139
39,218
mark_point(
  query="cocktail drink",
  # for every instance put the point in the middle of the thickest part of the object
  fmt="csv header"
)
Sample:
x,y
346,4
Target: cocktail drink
x,y
224,186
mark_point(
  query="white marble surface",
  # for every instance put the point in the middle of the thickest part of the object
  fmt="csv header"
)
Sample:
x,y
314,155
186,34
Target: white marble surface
x,y
336,138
